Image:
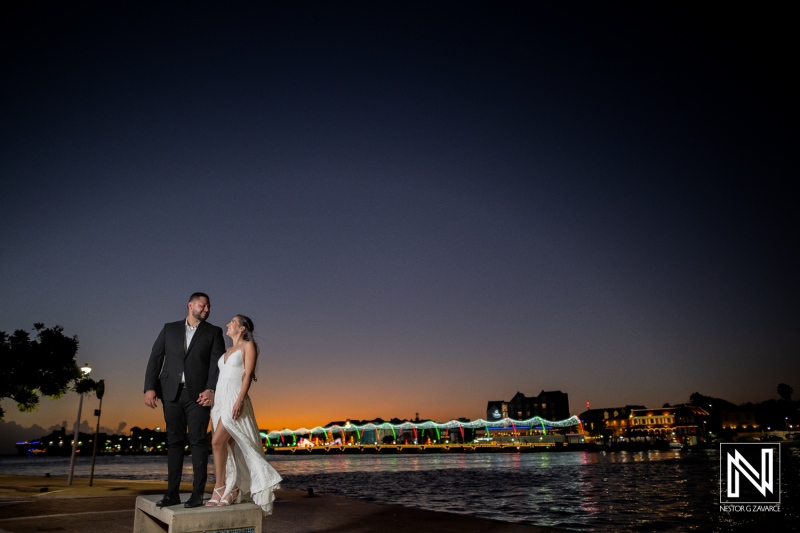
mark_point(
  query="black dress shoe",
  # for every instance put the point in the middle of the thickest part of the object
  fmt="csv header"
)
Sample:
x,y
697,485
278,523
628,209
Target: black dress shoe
x,y
168,501
195,501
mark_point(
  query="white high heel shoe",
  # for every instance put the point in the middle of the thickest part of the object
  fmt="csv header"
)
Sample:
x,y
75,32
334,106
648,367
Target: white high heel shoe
x,y
235,497
218,494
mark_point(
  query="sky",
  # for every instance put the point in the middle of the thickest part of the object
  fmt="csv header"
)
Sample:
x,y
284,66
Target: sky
x,y
422,206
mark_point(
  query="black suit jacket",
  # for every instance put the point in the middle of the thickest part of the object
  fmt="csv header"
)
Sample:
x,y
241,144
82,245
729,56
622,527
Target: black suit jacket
x,y
199,362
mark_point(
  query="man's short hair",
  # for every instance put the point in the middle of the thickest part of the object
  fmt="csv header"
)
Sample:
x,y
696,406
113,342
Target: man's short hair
x,y
196,295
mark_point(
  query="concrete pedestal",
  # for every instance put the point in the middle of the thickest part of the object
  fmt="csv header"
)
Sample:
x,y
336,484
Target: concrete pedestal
x,y
236,518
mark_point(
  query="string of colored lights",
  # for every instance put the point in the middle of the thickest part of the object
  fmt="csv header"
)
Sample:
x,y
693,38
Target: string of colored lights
x,y
488,425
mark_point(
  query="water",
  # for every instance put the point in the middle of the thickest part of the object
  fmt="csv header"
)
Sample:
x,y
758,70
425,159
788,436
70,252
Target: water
x,y
578,491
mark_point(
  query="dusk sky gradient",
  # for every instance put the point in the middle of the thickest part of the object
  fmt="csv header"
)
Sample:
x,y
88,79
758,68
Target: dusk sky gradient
x,y
422,206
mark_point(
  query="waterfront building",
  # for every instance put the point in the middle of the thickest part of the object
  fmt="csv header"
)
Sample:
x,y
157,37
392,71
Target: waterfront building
x,y
394,431
374,434
735,422
610,423
682,423
738,418
550,405
686,424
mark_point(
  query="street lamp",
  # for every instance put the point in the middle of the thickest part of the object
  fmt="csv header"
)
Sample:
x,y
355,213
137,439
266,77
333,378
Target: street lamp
x,y
85,369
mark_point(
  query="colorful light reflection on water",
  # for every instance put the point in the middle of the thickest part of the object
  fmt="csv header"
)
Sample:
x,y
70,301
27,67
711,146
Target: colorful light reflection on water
x,y
579,491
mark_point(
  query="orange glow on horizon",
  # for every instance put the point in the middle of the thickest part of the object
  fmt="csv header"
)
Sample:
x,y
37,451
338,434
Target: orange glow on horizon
x,y
272,415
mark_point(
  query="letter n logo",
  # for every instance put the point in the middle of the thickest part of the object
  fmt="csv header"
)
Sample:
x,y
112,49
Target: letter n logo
x,y
750,473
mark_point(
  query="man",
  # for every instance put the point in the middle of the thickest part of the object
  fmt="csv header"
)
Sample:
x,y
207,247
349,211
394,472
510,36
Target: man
x,y
183,372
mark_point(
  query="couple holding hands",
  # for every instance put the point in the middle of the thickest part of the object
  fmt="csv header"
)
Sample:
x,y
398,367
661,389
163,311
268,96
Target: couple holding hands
x,y
196,378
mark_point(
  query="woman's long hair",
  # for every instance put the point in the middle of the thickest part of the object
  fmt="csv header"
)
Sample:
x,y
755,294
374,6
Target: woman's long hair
x,y
248,336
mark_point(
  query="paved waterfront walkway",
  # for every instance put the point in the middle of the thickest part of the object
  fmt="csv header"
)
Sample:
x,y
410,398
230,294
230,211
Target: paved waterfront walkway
x,y
39,504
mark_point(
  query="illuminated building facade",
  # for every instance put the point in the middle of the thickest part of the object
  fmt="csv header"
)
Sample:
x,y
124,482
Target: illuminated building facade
x,y
611,423
683,423
738,418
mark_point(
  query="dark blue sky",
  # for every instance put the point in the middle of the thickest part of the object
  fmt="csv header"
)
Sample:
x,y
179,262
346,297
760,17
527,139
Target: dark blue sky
x,y
421,207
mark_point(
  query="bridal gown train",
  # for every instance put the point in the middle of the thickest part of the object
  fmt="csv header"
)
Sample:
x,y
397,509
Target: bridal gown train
x,y
246,466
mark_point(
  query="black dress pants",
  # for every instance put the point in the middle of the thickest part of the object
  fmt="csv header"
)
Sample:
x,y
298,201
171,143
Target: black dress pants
x,y
179,415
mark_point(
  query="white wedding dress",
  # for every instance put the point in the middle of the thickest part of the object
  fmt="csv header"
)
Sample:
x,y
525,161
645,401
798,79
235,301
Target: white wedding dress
x,y
246,467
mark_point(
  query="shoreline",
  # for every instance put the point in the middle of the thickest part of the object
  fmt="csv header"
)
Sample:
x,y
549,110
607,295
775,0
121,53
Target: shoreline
x,y
31,504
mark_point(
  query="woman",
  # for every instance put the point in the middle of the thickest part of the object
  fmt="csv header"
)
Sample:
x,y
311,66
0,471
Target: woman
x,y
239,464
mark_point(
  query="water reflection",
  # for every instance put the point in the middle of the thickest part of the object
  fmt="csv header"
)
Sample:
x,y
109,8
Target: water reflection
x,y
620,491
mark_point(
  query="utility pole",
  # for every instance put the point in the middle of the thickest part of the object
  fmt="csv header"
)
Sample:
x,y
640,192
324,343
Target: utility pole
x,y
101,389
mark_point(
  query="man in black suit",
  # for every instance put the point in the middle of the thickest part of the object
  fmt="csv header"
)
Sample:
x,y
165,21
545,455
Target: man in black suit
x,y
183,372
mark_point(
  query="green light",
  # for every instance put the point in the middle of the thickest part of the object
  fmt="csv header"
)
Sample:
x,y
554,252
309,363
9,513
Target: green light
x,y
429,424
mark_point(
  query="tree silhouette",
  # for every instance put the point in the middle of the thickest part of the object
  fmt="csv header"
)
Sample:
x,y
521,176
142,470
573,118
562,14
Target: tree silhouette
x,y
785,391
44,366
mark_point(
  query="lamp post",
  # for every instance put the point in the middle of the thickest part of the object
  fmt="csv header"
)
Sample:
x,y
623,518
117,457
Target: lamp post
x,y
100,390
85,369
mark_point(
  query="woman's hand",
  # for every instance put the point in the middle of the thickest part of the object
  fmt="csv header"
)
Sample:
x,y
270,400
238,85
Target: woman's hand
x,y
237,409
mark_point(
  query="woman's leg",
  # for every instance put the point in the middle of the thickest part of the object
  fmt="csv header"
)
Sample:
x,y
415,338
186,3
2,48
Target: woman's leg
x,y
231,496
219,448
